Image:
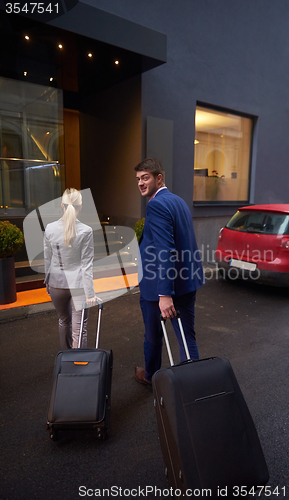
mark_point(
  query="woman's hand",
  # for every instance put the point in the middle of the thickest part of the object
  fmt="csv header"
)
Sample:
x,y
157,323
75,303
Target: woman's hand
x,y
91,301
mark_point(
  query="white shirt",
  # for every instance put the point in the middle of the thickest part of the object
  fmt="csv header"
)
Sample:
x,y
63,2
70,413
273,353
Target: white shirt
x,y
164,187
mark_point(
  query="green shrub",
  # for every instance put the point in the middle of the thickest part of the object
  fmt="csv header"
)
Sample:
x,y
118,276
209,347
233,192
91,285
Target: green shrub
x,y
11,239
138,228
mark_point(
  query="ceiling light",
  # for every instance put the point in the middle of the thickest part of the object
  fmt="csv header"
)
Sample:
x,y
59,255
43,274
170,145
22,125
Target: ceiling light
x,y
116,63
27,37
25,73
51,79
60,46
89,54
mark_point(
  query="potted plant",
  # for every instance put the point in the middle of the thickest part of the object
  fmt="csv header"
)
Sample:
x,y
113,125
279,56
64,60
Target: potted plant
x,y
138,228
11,241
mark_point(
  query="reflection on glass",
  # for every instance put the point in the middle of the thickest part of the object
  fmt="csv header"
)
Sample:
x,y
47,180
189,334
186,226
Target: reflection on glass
x,y
31,145
222,156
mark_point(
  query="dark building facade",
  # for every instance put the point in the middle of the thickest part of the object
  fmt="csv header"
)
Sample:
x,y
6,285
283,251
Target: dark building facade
x,y
202,85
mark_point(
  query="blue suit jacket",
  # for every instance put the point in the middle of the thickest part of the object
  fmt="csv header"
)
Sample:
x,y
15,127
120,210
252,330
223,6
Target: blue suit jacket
x,y
170,260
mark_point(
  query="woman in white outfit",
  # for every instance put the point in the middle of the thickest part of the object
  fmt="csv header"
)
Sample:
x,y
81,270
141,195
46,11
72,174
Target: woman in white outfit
x,y
68,256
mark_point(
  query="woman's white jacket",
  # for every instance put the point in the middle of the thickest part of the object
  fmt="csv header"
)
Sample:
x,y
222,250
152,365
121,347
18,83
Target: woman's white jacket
x,y
69,267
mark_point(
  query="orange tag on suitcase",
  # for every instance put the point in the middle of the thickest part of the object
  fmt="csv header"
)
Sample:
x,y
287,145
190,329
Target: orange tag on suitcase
x,y
80,362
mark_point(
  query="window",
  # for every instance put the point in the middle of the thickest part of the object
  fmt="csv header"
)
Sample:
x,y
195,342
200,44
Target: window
x,y
222,157
31,136
259,222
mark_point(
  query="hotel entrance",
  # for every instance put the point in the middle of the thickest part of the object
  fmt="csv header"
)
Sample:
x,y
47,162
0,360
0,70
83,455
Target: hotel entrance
x,y
71,113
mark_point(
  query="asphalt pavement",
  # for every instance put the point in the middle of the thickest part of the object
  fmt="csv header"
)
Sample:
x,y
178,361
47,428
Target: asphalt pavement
x,y
241,321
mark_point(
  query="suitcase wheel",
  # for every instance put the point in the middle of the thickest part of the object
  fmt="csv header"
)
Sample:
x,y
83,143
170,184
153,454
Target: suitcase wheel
x,y
53,434
102,433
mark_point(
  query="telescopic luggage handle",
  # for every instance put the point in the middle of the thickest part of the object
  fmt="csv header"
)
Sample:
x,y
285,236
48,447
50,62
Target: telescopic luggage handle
x,y
84,306
163,321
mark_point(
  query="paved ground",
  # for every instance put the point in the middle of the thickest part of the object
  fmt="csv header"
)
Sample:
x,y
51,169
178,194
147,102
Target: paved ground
x,y
247,324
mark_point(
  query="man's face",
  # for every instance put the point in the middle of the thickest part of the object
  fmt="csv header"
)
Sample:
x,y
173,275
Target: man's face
x,y
148,184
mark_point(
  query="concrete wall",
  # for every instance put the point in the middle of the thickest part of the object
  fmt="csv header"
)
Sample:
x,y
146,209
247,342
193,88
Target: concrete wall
x,y
228,54
110,128
207,232
233,55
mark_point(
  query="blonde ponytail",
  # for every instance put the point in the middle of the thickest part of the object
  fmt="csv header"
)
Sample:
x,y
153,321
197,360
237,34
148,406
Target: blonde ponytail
x,y
72,201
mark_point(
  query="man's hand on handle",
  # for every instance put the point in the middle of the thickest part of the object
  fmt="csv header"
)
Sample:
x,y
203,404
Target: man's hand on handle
x,y
167,307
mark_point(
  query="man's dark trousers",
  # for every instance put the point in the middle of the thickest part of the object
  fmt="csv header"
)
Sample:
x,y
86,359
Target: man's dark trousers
x,y
153,341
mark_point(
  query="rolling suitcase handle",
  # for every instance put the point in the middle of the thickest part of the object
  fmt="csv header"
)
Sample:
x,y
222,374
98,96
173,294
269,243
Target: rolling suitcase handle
x,y
167,340
84,306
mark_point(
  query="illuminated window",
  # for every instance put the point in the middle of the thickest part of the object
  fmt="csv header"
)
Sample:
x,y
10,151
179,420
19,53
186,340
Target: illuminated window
x,y
222,157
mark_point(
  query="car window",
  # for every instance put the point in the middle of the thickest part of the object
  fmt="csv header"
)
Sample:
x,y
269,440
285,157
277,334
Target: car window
x,y
259,222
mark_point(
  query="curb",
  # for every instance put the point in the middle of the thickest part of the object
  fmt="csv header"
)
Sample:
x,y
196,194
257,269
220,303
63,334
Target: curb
x,y
22,312
25,311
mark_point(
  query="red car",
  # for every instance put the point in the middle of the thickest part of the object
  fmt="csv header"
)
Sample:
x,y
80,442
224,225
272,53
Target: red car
x,y
255,244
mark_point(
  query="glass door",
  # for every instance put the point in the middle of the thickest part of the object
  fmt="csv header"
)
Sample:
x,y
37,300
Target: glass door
x,y
31,146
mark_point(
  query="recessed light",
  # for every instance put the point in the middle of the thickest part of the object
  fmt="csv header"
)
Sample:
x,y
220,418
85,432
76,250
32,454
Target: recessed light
x,y
89,54
51,79
60,46
25,73
116,62
27,37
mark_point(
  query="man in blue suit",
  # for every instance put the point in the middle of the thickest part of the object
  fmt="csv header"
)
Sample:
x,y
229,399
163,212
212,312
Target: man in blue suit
x,y
171,267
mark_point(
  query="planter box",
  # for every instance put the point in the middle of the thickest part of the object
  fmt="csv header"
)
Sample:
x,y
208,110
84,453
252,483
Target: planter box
x,y
7,281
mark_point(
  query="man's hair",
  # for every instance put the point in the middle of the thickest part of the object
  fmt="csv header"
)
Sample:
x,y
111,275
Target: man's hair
x,y
151,165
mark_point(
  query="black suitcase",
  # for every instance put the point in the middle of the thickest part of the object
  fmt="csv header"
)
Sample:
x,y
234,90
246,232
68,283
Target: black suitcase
x,y
208,439
81,388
